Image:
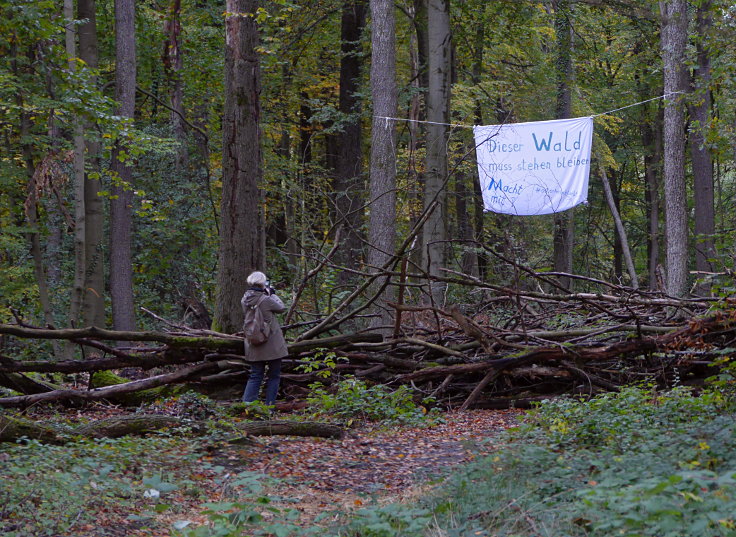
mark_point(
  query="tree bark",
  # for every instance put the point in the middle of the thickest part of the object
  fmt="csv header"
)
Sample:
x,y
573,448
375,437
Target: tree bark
x,y
292,428
382,221
349,189
620,230
121,204
651,140
80,212
181,375
93,301
173,63
242,231
702,162
674,39
564,223
434,233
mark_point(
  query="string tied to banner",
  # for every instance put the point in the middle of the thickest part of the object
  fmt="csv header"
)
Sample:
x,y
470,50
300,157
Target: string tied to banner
x,y
465,126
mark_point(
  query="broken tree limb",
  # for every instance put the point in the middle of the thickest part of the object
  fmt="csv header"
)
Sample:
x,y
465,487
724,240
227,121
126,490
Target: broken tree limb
x,y
330,321
93,332
619,226
136,424
96,364
490,377
181,375
291,428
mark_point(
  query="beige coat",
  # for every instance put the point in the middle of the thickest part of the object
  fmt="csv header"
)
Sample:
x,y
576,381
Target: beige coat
x,y
275,347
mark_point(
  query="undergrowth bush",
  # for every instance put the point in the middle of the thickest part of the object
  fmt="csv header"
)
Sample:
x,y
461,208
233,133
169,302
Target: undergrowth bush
x,y
354,400
51,490
636,463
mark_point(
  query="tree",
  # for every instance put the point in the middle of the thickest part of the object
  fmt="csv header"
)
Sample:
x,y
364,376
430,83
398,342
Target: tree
x,y
702,162
172,61
242,232
564,224
674,40
382,222
121,218
348,169
80,214
93,302
434,249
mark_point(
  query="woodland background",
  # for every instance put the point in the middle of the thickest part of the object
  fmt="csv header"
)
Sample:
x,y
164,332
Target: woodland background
x,y
153,152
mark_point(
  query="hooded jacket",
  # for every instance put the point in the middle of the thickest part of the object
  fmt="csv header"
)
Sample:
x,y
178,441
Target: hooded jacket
x,y
275,347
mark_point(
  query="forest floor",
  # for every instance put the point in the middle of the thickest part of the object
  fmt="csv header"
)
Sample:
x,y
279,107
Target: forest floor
x,y
326,479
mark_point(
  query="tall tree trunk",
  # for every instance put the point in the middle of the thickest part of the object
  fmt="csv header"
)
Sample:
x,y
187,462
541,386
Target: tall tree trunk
x,y
564,223
651,140
382,222
702,162
80,213
242,233
434,233
478,206
348,180
173,62
93,301
417,114
121,210
674,40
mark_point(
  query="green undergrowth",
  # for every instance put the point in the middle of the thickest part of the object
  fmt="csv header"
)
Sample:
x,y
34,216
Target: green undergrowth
x,y
51,490
353,400
637,463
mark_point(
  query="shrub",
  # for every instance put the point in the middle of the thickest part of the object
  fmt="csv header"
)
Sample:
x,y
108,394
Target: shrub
x,y
355,400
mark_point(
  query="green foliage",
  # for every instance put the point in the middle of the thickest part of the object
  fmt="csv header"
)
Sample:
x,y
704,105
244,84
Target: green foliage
x,y
353,400
254,410
636,463
321,363
191,405
618,421
54,490
669,473
244,509
392,520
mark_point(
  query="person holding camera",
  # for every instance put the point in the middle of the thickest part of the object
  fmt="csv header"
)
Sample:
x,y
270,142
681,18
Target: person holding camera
x,y
269,353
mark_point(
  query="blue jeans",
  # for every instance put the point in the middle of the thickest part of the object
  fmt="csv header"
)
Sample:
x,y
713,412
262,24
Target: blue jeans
x,y
253,386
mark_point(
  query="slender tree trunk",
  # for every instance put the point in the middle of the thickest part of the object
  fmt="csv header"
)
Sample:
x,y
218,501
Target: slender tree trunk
x,y
434,233
382,222
478,205
349,165
80,213
242,233
173,63
93,302
121,205
674,40
652,165
564,223
703,194
417,114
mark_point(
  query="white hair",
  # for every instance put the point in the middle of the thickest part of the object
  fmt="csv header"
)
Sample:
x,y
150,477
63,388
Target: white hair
x,y
257,279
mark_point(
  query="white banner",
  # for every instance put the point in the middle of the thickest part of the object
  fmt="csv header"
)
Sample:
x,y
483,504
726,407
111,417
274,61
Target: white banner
x,y
534,168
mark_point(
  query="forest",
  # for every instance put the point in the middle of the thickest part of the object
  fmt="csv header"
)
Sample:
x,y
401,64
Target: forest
x,y
154,153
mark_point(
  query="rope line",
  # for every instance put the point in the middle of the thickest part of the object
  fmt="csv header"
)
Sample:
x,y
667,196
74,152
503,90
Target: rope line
x,y
463,126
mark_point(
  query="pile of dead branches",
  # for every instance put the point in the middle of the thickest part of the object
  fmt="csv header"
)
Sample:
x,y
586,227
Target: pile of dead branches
x,y
509,348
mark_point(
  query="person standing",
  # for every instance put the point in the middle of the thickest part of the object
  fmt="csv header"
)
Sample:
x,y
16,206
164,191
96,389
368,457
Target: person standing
x,y
267,355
